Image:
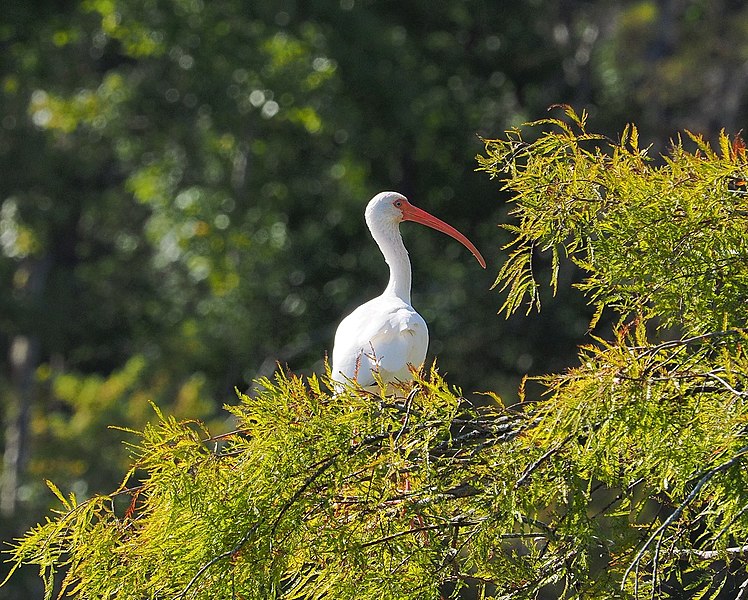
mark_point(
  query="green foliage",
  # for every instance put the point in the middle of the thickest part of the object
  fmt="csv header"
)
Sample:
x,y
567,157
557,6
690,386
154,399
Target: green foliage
x,y
361,496
659,412
314,495
666,241
183,187
74,437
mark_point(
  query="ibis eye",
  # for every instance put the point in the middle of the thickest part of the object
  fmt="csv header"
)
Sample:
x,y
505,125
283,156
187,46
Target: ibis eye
x,y
398,203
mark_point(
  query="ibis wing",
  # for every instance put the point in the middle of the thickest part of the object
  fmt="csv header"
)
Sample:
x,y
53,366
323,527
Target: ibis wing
x,y
384,335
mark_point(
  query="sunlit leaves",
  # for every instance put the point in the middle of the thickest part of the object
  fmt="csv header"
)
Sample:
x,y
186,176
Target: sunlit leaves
x,y
655,418
17,240
137,39
652,239
349,495
92,108
625,477
360,495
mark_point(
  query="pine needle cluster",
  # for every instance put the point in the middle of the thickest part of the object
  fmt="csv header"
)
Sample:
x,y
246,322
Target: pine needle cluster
x,y
626,479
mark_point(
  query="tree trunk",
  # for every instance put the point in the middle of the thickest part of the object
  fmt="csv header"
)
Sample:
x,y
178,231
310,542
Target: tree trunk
x,y
23,358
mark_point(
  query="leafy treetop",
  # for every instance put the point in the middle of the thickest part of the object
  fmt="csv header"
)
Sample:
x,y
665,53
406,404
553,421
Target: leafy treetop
x,y
656,240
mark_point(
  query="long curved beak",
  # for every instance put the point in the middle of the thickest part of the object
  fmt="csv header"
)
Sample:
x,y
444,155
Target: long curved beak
x,y
413,213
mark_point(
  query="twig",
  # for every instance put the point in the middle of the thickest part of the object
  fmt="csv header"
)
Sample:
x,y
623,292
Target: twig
x,y
534,466
549,531
464,490
725,384
399,534
456,523
735,552
408,405
684,341
618,497
655,562
222,436
735,517
741,589
491,432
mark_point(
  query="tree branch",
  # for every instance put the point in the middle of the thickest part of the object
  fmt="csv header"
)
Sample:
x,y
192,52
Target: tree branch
x,y
525,477
735,552
408,406
451,523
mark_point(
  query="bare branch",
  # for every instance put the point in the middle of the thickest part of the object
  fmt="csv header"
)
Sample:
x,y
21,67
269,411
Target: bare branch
x,y
458,522
735,552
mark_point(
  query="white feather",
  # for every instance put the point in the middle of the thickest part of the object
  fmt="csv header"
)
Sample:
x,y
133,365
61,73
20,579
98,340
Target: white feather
x,y
385,335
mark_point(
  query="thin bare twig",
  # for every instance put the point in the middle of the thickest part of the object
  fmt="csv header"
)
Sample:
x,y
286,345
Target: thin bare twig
x,y
741,589
618,497
534,466
399,534
735,552
684,341
408,406
731,389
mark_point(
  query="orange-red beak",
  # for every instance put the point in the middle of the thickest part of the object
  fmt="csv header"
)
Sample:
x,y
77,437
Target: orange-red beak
x,y
413,213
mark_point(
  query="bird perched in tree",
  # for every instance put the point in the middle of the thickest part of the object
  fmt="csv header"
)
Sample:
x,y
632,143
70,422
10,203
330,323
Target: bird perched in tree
x,y
386,335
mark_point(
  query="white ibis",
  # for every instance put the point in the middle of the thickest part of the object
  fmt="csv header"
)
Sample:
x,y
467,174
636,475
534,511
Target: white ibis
x,y
386,335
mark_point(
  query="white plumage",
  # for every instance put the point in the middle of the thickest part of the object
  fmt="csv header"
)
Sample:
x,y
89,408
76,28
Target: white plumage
x,y
386,335
383,335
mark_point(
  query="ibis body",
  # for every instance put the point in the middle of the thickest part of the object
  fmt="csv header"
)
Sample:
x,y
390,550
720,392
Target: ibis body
x,y
386,336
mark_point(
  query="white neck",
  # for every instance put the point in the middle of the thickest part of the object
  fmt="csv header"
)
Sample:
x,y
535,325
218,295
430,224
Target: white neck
x,y
387,236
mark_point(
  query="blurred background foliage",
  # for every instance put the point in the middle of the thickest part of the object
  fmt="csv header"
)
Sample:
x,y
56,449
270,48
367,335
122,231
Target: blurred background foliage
x,y
182,185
